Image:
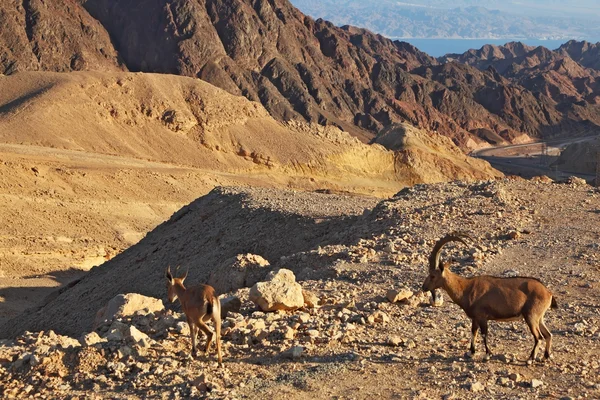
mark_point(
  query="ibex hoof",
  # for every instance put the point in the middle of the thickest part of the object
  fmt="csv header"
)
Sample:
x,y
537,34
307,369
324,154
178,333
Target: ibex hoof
x,y
487,357
529,362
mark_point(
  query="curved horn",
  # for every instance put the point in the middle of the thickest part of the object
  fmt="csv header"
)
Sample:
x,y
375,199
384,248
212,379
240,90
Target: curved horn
x,y
434,258
186,274
168,274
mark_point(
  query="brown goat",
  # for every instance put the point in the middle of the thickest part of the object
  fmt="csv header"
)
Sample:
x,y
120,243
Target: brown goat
x,y
485,298
200,304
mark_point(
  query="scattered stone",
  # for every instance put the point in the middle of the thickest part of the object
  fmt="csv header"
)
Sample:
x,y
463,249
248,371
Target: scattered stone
x,y
536,383
293,353
123,305
279,292
231,304
243,270
313,333
394,341
288,333
91,339
476,386
514,234
183,328
575,181
310,299
514,377
256,324
378,317
394,295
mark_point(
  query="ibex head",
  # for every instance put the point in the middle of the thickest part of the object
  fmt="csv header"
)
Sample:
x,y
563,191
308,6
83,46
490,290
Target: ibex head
x,y
172,283
436,276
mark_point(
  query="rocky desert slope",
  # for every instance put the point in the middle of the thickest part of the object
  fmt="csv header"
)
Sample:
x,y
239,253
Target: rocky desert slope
x,y
297,67
348,252
93,161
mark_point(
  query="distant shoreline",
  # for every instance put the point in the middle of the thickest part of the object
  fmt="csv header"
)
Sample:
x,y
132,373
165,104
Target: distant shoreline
x,y
512,39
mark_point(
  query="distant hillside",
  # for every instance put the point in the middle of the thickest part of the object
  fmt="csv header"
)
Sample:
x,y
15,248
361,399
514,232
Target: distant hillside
x,y
569,76
185,121
457,19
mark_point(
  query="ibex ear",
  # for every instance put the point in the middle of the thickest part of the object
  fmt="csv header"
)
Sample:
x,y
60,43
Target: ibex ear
x,y
185,275
444,265
168,274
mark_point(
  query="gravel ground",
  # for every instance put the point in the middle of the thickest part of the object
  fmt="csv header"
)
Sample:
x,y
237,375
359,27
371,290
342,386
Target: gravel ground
x,y
356,344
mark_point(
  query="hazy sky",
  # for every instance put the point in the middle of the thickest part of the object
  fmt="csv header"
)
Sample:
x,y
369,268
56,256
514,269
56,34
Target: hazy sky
x,y
465,19
584,8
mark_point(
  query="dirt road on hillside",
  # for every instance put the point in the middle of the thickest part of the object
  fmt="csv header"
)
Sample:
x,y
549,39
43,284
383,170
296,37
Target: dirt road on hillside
x,y
532,159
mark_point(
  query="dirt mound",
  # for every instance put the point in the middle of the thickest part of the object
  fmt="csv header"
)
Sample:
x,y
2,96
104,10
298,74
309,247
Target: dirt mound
x,y
430,158
172,119
219,226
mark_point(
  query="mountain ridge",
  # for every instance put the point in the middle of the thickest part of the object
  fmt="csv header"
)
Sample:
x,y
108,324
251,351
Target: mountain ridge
x,y
311,70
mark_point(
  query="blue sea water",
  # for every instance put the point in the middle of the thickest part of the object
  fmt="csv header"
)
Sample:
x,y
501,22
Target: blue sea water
x,y
440,47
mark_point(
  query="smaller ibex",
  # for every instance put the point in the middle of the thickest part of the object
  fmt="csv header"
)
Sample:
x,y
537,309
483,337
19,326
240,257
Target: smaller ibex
x,y
485,298
200,304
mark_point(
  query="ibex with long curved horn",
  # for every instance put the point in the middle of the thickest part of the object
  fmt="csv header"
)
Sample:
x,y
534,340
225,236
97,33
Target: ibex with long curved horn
x,y
485,298
200,304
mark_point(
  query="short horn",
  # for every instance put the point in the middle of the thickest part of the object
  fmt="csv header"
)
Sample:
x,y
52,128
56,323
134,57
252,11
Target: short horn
x,y
434,257
168,274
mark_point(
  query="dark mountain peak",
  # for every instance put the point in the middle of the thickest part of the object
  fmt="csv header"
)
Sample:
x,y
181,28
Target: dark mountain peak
x,y
585,53
516,49
542,52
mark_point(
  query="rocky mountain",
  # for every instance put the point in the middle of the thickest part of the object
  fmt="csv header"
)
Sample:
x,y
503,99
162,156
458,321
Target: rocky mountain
x,y
297,67
567,90
267,51
585,53
53,36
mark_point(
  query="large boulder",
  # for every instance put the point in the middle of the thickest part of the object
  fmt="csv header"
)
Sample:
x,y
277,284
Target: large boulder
x,y
243,270
280,291
123,305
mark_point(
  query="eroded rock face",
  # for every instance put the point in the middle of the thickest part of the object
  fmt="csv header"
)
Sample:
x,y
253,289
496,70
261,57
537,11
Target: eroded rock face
x,y
56,36
243,270
280,291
